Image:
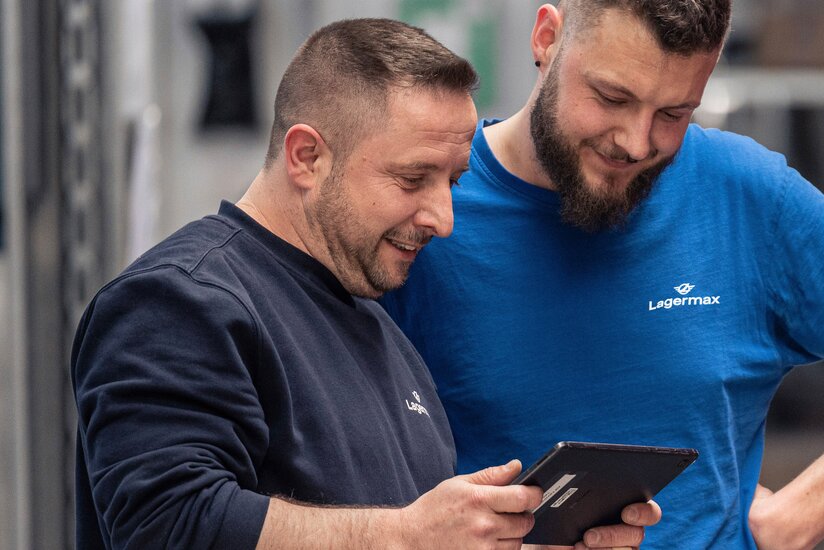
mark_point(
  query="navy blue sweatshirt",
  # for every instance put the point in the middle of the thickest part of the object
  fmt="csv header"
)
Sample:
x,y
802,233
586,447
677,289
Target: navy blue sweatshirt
x,y
225,365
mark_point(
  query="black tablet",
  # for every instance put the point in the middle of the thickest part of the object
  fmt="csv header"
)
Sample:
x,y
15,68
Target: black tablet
x,y
588,484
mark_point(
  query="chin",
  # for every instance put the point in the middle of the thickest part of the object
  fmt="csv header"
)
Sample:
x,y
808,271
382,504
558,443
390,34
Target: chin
x,y
386,282
609,187
394,284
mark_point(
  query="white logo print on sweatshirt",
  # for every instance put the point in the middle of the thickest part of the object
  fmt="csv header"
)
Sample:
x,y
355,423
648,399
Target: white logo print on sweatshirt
x,y
683,289
416,405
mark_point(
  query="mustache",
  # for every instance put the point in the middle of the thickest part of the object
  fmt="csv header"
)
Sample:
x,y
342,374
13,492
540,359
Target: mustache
x,y
614,152
415,237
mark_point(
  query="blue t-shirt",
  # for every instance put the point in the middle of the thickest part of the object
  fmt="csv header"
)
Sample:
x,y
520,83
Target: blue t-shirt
x,y
226,365
675,330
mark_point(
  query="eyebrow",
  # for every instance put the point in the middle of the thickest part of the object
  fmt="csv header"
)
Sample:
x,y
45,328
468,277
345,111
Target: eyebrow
x,y
595,81
418,165
422,167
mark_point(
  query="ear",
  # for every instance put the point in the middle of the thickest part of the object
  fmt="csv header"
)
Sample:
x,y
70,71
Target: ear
x,y
308,159
545,34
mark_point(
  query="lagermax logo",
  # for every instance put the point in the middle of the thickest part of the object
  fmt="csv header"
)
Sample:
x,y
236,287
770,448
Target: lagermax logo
x,y
683,289
417,407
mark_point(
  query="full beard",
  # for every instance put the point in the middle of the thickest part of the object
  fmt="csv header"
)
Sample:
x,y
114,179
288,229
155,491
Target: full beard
x,y
580,205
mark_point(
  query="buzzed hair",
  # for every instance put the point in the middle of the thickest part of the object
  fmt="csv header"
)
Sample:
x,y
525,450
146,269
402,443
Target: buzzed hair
x,y
683,27
340,79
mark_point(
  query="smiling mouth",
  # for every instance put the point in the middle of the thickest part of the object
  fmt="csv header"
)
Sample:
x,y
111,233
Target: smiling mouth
x,y
405,246
620,163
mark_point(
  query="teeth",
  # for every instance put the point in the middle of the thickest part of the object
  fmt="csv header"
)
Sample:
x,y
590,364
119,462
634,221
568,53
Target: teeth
x,y
404,246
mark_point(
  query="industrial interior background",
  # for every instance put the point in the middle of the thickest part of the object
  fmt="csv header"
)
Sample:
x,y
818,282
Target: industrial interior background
x,y
123,120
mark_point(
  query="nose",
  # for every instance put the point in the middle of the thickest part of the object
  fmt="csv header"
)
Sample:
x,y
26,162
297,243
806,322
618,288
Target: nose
x,y
434,213
635,136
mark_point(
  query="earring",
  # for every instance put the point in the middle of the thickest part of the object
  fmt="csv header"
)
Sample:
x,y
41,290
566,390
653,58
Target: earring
x,y
537,63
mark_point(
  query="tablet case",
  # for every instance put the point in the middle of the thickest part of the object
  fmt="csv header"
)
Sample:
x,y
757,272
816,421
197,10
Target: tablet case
x,y
588,484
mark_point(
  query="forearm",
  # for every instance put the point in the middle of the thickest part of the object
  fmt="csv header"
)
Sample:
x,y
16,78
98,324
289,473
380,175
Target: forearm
x,y
794,516
290,526
478,510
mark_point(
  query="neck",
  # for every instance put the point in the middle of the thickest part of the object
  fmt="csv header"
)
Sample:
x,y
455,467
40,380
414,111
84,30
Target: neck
x,y
265,203
511,143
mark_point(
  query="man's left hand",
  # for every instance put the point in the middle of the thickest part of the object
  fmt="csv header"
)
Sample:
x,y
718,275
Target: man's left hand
x,y
626,536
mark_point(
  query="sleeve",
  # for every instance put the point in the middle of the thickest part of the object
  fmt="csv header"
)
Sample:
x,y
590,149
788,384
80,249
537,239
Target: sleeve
x,y
797,240
170,422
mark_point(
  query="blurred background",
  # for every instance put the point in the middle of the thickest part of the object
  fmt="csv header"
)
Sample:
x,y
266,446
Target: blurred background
x,y
122,120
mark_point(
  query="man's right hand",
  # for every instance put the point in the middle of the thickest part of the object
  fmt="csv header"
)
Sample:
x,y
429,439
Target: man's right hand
x,y
474,511
478,511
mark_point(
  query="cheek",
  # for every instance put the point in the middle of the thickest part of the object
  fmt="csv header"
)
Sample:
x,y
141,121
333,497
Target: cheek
x,y
385,212
397,214
667,138
582,121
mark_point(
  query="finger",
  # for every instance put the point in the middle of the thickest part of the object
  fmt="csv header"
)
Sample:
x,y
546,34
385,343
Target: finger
x,y
496,475
612,536
514,526
642,514
501,527
512,499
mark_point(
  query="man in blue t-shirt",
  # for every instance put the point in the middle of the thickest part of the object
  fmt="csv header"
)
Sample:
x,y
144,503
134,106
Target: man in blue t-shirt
x,y
617,274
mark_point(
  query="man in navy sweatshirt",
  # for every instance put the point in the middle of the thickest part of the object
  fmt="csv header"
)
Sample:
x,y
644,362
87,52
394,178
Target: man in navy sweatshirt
x,y
238,387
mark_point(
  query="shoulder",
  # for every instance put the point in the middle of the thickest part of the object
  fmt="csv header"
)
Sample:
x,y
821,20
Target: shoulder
x,y
738,151
182,266
729,152
163,282
164,304
171,289
187,247
717,163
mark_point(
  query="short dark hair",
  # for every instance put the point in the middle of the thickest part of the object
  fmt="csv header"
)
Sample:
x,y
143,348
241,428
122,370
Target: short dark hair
x,y
682,27
340,78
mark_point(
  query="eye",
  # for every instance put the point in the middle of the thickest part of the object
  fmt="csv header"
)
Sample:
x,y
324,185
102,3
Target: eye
x,y
608,100
411,181
672,116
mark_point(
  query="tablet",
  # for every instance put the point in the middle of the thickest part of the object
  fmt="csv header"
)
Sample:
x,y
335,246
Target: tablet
x,y
588,484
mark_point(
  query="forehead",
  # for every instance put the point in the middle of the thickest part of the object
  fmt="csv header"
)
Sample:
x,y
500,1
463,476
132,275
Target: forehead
x,y
622,51
424,126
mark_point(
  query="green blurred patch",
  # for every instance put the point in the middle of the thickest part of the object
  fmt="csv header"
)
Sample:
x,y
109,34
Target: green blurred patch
x,y
482,33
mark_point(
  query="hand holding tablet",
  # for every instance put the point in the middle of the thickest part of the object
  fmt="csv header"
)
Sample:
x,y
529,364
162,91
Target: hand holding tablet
x,y
588,484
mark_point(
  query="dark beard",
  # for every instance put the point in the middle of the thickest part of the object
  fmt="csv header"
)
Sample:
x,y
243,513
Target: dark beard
x,y
580,206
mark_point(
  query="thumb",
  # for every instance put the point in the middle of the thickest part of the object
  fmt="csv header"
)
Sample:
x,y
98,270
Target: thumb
x,y
496,475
